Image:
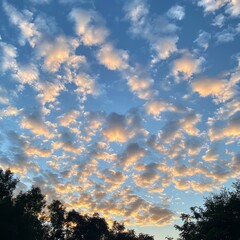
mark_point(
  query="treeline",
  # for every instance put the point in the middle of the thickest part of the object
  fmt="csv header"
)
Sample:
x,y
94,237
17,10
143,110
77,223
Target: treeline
x,y
28,217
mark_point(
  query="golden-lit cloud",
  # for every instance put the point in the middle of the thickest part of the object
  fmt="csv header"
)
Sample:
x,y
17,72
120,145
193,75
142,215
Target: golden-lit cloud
x,y
89,26
112,58
69,118
186,66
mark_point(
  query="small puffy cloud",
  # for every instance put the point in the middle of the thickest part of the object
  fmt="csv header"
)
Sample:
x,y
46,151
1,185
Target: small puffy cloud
x,y
86,85
148,176
132,154
36,125
211,5
136,11
27,28
232,7
89,26
186,66
176,12
157,30
4,96
121,128
49,91
141,86
55,53
203,39
114,179
165,46
211,154
231,130
8,57
211,87
27,74
69,118
189,122
39,152
9,111
227,35
219,20
156,107
112,58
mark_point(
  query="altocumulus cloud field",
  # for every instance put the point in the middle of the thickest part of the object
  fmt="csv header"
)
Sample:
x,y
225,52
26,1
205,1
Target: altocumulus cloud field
x,y
126,108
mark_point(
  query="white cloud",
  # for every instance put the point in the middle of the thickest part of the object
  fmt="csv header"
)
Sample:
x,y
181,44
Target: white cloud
x,y
89,26
28,29
176,12
203,39
186,66
156,107
8,57
219,20
49,91
157,30
112,58
69,118
55,52
232,7
165,46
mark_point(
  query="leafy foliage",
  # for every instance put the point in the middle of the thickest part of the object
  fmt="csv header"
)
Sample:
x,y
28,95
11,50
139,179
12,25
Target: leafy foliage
x,y
219,219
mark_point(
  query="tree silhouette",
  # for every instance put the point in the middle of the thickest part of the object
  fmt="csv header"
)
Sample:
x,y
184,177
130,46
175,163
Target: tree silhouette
x,y
57,214
219,219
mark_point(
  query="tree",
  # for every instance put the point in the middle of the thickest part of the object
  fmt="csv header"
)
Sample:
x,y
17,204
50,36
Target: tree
x,y
57,218
219,219
7,185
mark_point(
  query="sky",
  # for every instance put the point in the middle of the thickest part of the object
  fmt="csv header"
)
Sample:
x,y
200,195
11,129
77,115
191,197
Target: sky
x,y
126,108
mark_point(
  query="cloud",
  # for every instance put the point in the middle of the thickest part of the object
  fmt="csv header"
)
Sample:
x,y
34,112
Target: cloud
x,y
27,74
38,152
131,155
219,20
55,52
211,154
86,85
89,26
165,46
156,107
121,128
8,57
227,35
4,96
148,176
9,111
203,39
49,91
211,5
141,86
232,7
186,66
231,130
212,87
69,118
36,125
176,12
157,30
113,59
27,28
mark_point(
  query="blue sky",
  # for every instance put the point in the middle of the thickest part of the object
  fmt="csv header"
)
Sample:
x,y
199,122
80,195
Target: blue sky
x,y
126,108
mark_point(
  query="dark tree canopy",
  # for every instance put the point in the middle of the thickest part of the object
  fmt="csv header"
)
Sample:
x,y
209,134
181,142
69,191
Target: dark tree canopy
x,y
218,219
